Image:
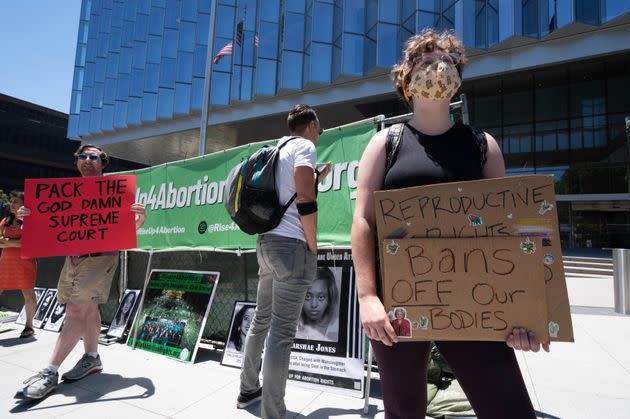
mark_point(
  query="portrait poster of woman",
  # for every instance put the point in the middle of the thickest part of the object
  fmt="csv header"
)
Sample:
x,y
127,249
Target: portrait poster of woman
x,y
48,301
55,318
319,320
123,314
242,317
39,292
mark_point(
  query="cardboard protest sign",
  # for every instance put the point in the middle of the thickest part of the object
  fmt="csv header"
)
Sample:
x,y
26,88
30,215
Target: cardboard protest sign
x,y
521,206
464,289
78,215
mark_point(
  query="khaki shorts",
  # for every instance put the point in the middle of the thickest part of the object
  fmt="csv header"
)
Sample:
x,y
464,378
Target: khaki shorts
x,y
86,279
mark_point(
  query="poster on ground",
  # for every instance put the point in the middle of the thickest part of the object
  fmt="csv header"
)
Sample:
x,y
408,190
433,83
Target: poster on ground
x,y
38,299
49,299
125,311
71,216
328,350
242,317
464,289
514,206
173,313
55,318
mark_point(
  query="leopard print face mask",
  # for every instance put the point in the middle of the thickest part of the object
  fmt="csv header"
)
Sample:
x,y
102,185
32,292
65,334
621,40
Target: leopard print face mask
x,y
439,81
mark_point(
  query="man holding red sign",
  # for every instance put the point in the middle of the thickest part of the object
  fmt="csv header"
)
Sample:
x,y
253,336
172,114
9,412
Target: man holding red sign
x,y
88,214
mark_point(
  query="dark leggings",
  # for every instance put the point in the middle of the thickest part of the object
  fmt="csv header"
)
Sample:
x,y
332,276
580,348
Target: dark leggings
x,y
487,372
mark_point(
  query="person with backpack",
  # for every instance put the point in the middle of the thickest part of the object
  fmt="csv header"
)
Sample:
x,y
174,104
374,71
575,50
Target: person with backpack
x,y
287,260
431,149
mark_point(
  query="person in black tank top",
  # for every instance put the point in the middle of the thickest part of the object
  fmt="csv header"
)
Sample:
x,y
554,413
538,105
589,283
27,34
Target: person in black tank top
x,y
432,150
452,156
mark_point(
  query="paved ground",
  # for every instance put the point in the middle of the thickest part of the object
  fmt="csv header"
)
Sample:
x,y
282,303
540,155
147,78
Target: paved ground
x,y
587,379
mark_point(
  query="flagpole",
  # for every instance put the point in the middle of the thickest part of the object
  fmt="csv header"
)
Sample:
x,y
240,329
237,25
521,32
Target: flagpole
x,y
240,79
207,81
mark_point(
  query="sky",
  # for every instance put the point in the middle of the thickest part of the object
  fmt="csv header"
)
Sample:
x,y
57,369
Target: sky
x,y
38,40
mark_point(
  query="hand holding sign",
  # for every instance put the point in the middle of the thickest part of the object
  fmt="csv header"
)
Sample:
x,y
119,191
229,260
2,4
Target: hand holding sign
x,y
79,215
141,214
525,340
376,322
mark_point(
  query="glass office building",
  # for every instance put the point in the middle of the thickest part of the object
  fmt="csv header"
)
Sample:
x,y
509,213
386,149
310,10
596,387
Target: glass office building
x,y
548,78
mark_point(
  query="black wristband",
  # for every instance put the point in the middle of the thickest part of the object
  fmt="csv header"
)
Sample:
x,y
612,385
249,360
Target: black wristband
x,y
306,208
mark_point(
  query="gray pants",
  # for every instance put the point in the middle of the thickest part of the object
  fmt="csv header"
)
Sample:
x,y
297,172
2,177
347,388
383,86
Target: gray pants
x,y
286,270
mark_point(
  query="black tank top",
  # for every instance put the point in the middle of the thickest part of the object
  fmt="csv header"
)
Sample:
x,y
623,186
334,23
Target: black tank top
x,y
453,156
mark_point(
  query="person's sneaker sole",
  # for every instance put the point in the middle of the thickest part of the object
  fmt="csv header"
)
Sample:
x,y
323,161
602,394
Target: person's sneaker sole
x,y
42,396
243,405
92,371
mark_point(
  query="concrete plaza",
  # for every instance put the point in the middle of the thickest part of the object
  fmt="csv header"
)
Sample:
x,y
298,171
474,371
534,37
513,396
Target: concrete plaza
x,y
586,379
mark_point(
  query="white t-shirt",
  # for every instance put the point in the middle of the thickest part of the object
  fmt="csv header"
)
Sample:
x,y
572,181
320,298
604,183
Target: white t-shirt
x,y
297,152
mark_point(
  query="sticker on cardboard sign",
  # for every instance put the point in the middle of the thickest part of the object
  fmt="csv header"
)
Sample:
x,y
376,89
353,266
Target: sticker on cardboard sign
x,y
392,247
548,259
475,220
528,246
545,207
424,322
554,328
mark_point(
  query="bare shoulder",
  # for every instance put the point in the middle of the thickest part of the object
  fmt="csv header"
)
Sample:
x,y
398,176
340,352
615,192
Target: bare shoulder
x,y
376,146
379,138
495,166
492,143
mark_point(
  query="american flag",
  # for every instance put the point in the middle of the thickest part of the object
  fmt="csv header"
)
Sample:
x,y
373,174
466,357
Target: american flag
x,y
226,50
229,47
239,34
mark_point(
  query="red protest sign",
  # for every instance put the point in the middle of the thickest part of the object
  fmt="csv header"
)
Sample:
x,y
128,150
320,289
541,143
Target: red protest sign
x,y
72,216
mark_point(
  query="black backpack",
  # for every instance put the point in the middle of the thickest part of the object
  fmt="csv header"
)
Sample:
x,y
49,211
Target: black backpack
x,y
394,135
252,198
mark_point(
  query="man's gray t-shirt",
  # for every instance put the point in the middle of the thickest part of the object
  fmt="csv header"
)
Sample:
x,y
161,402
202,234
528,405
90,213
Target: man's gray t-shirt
x,y
297,152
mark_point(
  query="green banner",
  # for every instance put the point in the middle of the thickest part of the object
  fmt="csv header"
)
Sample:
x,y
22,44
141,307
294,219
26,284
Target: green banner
x,y
185,199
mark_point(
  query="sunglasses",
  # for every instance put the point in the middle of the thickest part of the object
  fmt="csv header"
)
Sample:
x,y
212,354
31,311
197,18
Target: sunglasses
x,y
429,58
91,157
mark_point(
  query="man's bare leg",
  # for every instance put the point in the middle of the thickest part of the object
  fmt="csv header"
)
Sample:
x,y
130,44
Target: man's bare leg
x,y
73,330
92,327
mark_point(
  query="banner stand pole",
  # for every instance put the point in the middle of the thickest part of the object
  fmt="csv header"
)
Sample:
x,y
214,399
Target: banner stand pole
x,y
370,357
124,276
368,381
144,293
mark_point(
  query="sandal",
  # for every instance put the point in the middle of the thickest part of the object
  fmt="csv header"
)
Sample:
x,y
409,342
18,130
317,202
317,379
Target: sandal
x,y
27,332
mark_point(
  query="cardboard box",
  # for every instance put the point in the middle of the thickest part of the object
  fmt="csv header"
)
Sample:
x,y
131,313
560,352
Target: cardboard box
x,y
515,206
464,289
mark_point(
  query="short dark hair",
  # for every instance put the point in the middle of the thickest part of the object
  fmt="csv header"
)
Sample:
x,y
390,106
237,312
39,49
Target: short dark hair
x,y
299,117
103,155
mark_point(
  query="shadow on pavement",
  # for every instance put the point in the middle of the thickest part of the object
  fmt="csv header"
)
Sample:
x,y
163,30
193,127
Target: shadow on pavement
x,y
92,389
7,343
205,355
544,415
330,412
